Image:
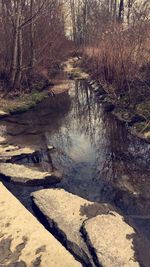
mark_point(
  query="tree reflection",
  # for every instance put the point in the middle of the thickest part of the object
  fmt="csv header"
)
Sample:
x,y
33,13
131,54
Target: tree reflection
x,y
116,174
100,160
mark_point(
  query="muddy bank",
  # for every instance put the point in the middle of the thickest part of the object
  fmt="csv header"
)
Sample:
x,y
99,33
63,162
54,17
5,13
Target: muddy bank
x,y
41,89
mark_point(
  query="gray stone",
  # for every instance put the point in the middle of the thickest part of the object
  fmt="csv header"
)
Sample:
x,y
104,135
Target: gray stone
x,y
24,242
2,140
66,213
111,240
3,114
92,82
10,152
27,175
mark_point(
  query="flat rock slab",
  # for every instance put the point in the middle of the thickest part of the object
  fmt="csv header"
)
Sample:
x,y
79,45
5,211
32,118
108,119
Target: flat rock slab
x,y
27,175
65,214
3,114
111,239
2,140
8,152
24,242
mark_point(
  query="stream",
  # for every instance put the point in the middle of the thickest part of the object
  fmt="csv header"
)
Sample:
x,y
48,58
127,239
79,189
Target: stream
x,y
99,159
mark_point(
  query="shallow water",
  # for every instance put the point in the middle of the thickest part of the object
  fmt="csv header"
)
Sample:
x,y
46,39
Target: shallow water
x,y
99,159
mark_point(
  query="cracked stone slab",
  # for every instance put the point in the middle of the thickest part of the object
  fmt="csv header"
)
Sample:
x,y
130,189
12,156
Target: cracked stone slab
x,y
65,214
24,242
28,175
8,152
112,241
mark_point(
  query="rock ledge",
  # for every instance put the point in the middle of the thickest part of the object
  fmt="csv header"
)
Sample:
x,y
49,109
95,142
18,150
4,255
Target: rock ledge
x,y
24,241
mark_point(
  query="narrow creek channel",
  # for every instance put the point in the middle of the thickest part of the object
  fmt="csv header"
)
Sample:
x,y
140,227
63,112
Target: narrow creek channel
x,y
99,159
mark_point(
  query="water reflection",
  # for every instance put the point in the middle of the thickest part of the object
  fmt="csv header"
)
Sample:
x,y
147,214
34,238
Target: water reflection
x,y
102,162
99,159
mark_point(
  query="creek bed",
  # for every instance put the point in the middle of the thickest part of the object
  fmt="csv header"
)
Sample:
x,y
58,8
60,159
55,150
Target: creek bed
x,y
99,159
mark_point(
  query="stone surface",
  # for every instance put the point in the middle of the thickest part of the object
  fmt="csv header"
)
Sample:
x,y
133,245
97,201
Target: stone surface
x,y
2,140
66,213
8,152
3,114
24,242
27,175
112,241
91,82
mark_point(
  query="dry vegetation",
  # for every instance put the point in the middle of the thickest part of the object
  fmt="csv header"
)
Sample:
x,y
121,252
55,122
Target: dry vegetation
x,y
33,43
120,54
114,39
121,58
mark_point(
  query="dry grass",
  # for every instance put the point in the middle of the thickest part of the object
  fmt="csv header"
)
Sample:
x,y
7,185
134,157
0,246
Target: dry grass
x,y
119,57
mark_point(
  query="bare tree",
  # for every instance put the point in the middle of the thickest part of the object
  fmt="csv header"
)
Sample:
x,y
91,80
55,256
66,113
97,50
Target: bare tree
x,y
32,30
121,11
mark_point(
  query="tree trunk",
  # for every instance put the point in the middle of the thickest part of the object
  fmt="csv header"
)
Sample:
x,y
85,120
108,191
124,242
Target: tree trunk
x,y
111,7
85,23
121,11
31,63
14,58
108,6
73,18
4,19
18,75
16,64
115,10
129,10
